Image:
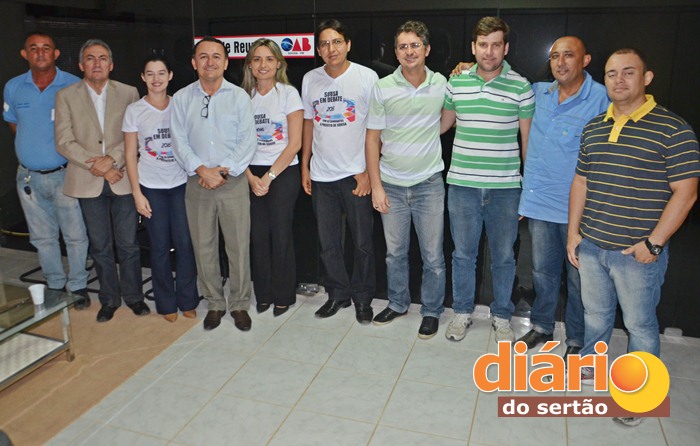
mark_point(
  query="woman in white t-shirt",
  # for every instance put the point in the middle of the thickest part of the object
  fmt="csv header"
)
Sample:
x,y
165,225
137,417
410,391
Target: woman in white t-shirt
x,y
158,184
273,175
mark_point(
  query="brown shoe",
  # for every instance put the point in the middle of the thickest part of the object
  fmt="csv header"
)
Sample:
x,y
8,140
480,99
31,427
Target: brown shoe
x,y
241,320
213,319
172,317
190,314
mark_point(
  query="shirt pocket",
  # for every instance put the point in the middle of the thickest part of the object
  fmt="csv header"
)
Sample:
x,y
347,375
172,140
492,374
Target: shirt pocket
x,y
229,124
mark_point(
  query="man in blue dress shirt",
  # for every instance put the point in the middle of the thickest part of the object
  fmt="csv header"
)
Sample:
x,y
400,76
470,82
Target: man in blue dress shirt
x,y
562,108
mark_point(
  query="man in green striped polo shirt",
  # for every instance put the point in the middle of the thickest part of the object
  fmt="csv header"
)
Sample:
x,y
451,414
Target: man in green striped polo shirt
x,y
490,104
636,180
407,185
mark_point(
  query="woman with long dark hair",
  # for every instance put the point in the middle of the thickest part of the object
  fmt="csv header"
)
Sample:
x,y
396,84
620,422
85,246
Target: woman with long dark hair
x,y
158,184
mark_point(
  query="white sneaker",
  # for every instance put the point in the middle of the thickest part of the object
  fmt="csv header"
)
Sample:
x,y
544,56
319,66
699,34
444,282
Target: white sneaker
x,y
628,421
587,377
457,329
503,330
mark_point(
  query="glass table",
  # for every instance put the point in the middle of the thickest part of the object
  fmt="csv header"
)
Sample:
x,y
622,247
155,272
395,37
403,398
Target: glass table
x,y
22,352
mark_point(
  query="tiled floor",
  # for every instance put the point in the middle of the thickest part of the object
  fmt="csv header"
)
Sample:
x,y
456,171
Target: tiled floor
x,y
297,380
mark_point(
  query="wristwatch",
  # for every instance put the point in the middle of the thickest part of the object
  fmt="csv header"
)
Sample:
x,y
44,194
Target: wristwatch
x,y
653,249
271,173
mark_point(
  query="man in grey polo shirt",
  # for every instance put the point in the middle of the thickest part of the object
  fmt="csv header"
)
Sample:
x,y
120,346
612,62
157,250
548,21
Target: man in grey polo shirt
x,y
407,184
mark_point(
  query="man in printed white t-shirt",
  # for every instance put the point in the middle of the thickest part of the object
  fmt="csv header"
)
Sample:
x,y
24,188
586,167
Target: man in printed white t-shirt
x,y
336,100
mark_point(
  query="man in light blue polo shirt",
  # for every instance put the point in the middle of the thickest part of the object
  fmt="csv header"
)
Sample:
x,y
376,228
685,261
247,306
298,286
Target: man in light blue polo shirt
x,y
407,184
562,108
29,111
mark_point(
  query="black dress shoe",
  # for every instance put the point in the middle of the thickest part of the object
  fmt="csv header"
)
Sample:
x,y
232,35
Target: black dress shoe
x,y
261,308
106,313
363,313
279,311
241,320
532,338
387,315
428,327
139,308
331,307
83,299
213,319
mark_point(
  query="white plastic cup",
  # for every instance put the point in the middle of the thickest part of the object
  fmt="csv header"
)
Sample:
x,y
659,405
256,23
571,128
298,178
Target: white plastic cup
x,y
37,292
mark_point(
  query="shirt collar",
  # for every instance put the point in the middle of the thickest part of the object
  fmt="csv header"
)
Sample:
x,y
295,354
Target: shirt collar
x,y
636,115
92,92
225,85
583,91
504,71
28,79
401,80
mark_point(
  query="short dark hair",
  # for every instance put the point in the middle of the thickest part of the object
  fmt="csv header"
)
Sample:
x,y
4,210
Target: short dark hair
x,y
209,39
415,27
156,58
40,34
488,25
630,50
333,24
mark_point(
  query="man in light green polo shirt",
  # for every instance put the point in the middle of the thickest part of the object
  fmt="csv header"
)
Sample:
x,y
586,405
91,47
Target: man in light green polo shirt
x,y
490,104
404,128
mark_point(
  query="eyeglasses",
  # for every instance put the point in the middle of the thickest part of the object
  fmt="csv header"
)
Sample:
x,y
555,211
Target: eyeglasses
x,y
205,109
413,45
325,44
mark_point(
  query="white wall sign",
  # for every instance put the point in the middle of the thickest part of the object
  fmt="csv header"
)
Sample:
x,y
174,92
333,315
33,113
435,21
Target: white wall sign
x,y
292,45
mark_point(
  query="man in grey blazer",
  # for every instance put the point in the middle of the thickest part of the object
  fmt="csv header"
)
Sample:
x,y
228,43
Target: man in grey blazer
x,y
88,133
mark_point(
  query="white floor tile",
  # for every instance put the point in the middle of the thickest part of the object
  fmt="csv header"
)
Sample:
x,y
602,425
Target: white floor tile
x,y
348,394
681,360
685,400
587,431
488,428
227,420
387,436
272,380
162,410
163,362
206,368
78,431
441,364
118,398
310,429
680,433
370,354
302,343
431,409
110,435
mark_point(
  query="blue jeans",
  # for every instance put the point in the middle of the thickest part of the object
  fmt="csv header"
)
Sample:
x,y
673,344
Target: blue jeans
x,y
548,254
470,210
607,278
111,220
168,228
424,203
47,209
330,201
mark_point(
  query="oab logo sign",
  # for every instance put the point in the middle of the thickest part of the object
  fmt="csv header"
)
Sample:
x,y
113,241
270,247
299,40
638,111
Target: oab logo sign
x,y
292,45
637,382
